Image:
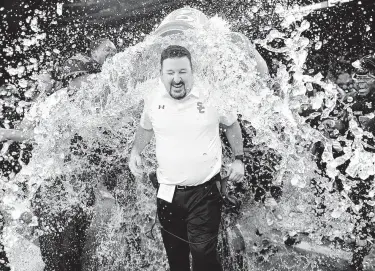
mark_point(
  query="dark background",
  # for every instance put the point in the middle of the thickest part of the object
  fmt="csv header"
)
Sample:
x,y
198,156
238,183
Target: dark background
x,y
342,28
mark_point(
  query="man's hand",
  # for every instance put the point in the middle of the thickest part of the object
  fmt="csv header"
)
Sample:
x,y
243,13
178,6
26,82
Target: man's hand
x,y
2,135
236,171
135,164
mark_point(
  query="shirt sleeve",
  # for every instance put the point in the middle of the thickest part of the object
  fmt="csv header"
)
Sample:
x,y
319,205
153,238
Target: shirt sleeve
x,y
228,119
146,122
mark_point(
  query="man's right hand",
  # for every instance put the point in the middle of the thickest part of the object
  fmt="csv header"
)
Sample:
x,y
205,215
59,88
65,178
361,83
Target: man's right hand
x,y
2,135
135,164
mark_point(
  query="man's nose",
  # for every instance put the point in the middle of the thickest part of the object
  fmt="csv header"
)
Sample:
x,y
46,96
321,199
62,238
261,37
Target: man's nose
x,y
177,78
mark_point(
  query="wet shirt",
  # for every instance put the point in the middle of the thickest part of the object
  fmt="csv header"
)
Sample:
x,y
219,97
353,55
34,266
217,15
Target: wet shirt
x,y
41,110
73,67
188,145
76,66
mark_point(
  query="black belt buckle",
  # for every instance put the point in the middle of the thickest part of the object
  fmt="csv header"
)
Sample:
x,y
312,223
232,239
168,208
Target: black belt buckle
x,y
154,179
209,182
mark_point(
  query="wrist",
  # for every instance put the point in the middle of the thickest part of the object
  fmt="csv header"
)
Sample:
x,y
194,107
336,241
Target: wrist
x,y
134,151
239,157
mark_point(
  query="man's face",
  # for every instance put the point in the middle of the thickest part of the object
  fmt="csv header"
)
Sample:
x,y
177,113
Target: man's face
x,y
364,84
362,87
106,50
177,77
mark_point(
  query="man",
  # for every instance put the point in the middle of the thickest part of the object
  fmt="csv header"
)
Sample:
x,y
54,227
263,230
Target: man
x,y
81,65
188,152
72,74
362,112
62,249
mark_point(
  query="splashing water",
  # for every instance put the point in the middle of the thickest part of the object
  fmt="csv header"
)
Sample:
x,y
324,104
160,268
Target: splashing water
x,y
103,116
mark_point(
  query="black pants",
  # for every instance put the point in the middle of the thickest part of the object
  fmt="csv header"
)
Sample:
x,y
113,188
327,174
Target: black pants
x,y
65,233
193,215
62,251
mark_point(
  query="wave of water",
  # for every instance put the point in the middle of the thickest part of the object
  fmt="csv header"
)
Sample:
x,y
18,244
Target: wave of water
x,y
105,112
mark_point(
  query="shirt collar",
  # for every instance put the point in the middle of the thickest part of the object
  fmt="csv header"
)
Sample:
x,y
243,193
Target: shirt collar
x,y
195,92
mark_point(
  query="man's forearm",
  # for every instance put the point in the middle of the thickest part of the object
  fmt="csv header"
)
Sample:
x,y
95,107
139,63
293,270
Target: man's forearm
x,y
234,136
16,135
142,138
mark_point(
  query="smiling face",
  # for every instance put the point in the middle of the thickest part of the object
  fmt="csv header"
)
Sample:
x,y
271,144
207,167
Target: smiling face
x,y
177,76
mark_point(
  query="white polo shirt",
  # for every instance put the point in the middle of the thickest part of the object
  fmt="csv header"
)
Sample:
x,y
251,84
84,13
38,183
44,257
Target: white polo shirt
x,y
188,145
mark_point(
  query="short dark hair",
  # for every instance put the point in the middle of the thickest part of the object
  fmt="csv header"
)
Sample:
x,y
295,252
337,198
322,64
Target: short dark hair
x,y
95,44
175,51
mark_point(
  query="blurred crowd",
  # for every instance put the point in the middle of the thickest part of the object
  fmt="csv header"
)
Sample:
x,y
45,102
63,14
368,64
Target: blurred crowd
x,y
352,117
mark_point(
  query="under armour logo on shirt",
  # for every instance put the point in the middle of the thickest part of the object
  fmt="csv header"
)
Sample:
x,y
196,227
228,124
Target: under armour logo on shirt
x,y
200,107
161,106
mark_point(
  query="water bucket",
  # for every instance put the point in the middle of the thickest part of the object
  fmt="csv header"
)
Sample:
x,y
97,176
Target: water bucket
x,y
180,20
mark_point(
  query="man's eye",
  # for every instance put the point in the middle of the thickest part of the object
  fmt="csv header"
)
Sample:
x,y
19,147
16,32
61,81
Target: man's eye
x,y
183,72
170,73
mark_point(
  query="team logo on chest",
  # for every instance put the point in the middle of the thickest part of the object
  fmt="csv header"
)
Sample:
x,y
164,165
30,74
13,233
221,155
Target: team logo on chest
x,y
161,106
200,107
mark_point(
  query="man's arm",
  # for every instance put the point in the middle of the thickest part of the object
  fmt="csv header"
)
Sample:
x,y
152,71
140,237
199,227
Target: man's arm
x,y
145,130
244,43
142,138
16,135
234,136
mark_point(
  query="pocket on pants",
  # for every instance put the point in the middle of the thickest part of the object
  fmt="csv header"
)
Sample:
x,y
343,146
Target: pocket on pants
x,y
215,190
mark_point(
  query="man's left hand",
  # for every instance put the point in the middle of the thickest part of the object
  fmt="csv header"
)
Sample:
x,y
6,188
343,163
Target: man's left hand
x,y
236,171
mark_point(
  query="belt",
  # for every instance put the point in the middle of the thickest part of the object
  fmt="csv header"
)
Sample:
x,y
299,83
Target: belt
x,y
209,182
